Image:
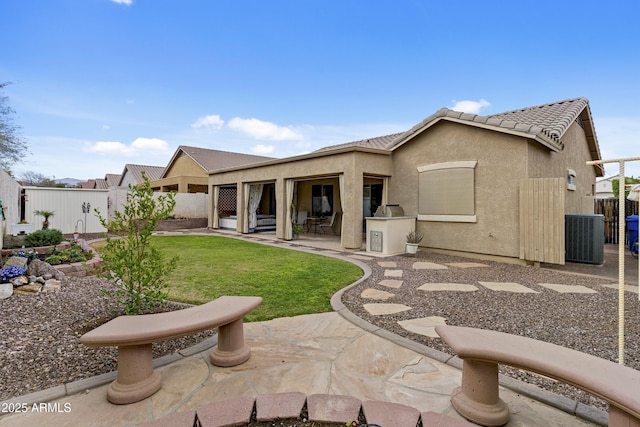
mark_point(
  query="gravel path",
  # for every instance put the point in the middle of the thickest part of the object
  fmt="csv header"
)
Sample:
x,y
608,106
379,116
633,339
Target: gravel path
x,y
584,322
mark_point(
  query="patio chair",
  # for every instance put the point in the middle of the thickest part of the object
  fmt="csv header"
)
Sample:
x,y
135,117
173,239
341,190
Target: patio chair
x,y
329,224
301,219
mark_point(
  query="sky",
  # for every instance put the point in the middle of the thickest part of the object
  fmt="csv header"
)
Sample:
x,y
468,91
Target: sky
x,y
98,84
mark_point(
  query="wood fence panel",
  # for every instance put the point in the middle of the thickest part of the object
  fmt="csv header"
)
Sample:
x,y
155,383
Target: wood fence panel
x,y
542,220
609,208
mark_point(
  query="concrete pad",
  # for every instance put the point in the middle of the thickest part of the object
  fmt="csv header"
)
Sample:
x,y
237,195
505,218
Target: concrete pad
x,y
432,419
376,294
627,288
387,264
179,419
424,326
568,289
391,283
452,287
393,273
382,309
420,265
360,257
466,264
508,287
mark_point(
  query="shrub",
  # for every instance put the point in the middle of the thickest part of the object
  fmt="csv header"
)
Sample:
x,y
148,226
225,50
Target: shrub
x,y
138,268
50,237
74,254
11,272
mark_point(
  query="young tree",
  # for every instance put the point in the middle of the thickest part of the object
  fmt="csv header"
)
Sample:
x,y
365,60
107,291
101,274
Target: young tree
x,y
138,268
12,145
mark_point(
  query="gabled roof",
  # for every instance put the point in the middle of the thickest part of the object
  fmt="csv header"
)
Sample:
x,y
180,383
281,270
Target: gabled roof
x,y
151,172
101,184
210,160
113,179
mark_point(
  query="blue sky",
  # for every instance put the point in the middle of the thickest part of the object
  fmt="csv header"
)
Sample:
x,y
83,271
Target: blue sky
x,y
98,84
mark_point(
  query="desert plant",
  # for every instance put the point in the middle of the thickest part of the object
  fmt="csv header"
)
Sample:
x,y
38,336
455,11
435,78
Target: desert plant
x,y
414,237
46,215
138,268
49,237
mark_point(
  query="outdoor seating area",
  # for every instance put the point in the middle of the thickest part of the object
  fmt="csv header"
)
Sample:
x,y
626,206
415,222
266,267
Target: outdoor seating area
x,y
334,354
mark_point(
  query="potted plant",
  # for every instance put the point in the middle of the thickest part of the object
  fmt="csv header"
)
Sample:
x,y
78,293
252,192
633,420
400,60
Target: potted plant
x,y
297,230
23,227
413,239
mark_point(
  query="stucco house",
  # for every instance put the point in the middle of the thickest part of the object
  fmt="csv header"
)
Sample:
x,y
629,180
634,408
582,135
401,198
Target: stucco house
x,y
496,186
188,169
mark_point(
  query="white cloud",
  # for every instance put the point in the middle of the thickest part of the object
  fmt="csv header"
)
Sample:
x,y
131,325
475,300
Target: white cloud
x,y
212,121
137,147
127,2
106,127
262,149
264,130
129,101
471,107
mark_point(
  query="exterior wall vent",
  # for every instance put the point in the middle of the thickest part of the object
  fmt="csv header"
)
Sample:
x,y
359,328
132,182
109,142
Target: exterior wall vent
x,y
584,238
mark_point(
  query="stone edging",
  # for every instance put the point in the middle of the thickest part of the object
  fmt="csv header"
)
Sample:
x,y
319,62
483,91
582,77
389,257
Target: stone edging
x,y
327,408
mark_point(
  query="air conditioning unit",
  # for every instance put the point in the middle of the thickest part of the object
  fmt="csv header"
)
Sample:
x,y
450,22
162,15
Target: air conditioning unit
x,y
584,238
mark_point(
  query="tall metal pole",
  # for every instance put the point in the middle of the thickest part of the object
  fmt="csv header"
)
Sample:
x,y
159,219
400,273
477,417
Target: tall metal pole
x,y
621,228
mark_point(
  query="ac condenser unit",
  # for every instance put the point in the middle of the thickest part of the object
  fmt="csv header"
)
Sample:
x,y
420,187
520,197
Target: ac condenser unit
x,y
584,238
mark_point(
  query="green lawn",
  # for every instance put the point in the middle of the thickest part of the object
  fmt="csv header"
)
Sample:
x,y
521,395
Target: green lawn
x,y
290,282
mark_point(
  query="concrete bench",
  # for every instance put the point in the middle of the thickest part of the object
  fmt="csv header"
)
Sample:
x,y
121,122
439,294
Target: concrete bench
x,y
482,351
134,336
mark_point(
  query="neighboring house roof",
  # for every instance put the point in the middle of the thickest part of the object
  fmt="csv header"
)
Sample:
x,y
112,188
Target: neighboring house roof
x,y
112,179
210,160
151,172
101,184
90,184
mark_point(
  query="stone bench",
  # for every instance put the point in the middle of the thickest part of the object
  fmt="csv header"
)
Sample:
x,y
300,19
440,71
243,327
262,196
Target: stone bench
x,y
482,351
134,336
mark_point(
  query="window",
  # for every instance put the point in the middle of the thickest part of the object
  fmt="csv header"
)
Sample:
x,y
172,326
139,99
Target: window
x,y
571,180
447,192
322,200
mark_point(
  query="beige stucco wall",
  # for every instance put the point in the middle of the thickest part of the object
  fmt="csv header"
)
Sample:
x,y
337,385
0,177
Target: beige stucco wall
x,y
324,169
544,164
501,164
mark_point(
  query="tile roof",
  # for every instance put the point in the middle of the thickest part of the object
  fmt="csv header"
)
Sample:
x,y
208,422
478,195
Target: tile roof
x,y
113,179
380,142
101,184
151,172
210,159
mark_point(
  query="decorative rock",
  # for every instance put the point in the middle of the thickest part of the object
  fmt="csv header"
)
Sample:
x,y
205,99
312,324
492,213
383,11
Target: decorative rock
x,y
39,279
47,276
16,260
19,281
30,289
41,268
6,290
376,294
51,285
32,278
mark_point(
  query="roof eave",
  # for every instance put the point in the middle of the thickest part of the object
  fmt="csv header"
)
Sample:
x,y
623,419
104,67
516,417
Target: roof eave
x,y
315,154
541,138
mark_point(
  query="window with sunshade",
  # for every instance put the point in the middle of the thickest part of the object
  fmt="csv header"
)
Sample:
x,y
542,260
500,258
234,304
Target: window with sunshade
x,y
447,192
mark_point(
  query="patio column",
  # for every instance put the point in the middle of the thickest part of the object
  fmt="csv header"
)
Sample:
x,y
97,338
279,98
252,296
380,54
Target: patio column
x,y
216,215
351,183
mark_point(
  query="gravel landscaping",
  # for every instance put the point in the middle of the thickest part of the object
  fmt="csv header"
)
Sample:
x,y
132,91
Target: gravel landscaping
x,y
40,346
584,322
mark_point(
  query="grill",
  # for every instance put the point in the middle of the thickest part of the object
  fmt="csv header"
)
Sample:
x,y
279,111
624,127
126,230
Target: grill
x,y
389,211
